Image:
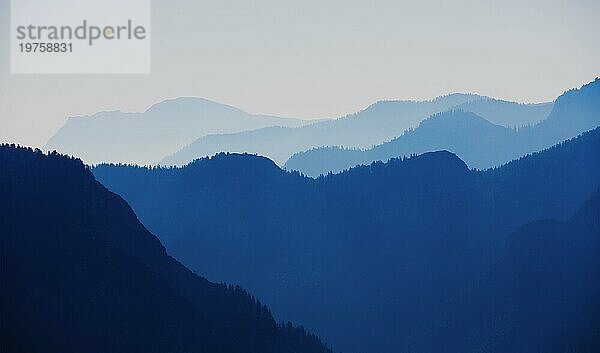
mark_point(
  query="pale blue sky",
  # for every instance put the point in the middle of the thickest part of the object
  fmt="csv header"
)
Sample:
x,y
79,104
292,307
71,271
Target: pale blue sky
x,y
315,59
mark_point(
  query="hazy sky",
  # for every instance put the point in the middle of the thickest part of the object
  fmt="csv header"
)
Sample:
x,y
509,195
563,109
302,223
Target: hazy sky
x,y
315,59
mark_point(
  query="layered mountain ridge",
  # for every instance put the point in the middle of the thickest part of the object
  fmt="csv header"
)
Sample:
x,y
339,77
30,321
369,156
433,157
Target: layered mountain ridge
x,y
81,273
164,128
390,243
480,143
381,121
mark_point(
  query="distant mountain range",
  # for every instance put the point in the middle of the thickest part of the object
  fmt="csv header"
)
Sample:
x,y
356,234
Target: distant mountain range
x,y
480,143
508,114
80,273
379,122
144,138
177,131
389,257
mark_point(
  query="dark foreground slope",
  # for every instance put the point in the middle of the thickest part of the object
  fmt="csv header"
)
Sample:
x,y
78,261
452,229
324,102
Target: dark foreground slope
x,y
81,274
369,258
476,140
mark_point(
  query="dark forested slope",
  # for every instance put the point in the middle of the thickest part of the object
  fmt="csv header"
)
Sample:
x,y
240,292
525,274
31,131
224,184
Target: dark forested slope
x,y
80,273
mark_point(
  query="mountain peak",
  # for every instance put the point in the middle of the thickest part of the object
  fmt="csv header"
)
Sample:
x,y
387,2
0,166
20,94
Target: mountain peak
x,y
451,98
237,166
442,159
455,115
436,162
241,159
575,111
188,104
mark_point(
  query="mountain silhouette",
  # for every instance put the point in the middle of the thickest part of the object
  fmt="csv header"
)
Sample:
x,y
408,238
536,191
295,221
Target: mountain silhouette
x,y
379,122
550,272
368,258
543,295
145,138
508,114
474,139
80,273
